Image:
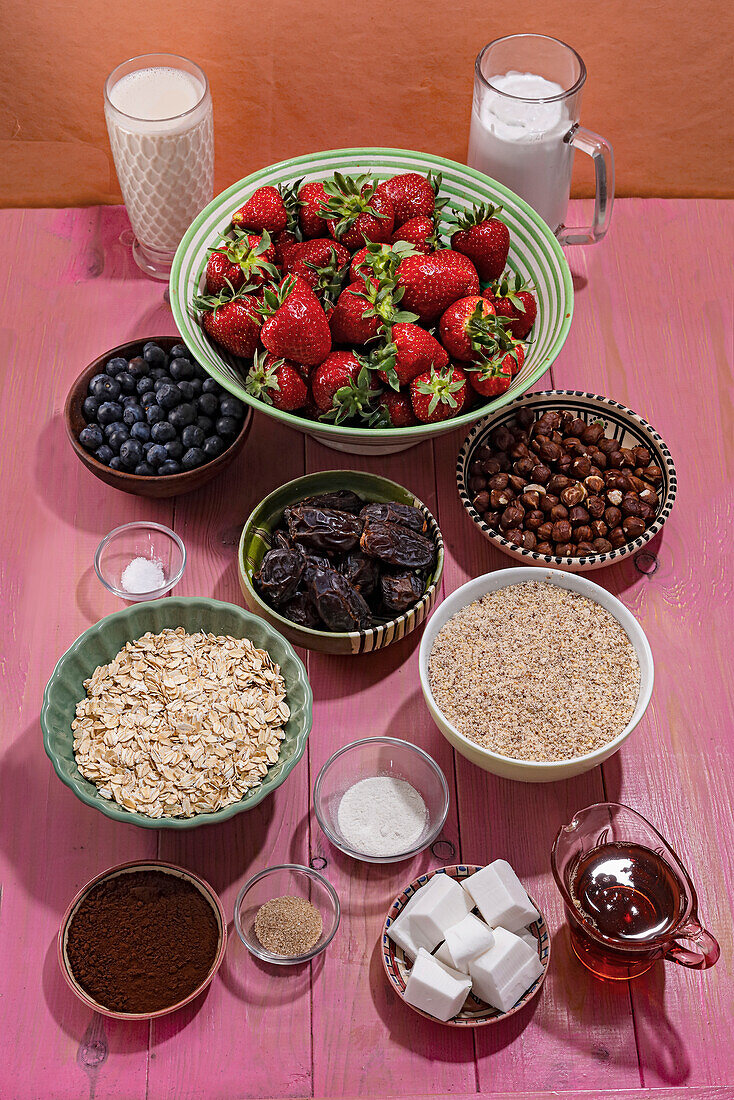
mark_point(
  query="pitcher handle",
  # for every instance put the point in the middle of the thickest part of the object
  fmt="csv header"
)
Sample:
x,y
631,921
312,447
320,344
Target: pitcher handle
x,y
709,951
603,156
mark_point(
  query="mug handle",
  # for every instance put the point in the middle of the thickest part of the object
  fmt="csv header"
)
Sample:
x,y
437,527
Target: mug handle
x,y
695,960
603,156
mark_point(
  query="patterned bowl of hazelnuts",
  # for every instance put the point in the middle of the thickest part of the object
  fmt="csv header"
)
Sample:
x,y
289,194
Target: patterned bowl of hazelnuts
x,y
567,479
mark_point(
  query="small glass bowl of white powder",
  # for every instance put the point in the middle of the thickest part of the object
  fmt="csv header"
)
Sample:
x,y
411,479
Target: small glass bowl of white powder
x,y
140,561
381,800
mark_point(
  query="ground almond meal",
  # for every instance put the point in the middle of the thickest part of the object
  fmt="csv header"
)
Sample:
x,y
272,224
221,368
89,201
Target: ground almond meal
x,y
535,672
180,724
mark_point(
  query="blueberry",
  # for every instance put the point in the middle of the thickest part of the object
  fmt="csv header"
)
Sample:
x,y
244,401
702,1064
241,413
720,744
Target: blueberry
x,y
214,446
138,368
179,351
145,385
109,411
186,390
169,467
230,406
208,404
115,463
90,406
154,413
115,366
211,386
227,427
117,439
192,458
115,426
91,437
182,415
169,396
131,454
163,380
196,385
94,381
175,449
206,424
133,414
140,432
147,446
104,387
126,382
199,371
154,355
158,372
130,399
162,432
144,469
156,455
182,368
104,454
192,436
150,397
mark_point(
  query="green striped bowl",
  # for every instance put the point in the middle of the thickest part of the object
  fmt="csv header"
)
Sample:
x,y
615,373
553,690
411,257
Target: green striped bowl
x,y
99,644
534,252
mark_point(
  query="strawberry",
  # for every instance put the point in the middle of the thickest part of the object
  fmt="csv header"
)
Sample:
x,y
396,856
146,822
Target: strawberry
x,y
296,327
355,399
491,378
312,199
433,282
357,211
380,261
469,329
358,269
438,395
420,232
246,258
282,244
411,195
396,411
353,320
264,211
517,358
232,319
322,262
277,382
484,239
337,370
512,299
411,351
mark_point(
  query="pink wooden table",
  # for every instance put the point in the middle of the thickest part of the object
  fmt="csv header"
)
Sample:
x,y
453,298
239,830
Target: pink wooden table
x,y
652,329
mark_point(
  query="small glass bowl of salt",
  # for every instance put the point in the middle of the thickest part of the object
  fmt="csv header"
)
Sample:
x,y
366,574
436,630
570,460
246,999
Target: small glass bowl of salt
x,y
381,800
140,561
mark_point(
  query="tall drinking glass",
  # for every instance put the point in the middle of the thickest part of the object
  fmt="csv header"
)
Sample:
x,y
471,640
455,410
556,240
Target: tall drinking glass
x,y
525,127
159,117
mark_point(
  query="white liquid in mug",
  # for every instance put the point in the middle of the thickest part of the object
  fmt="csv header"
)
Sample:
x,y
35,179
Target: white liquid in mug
x,y
164,156
520,143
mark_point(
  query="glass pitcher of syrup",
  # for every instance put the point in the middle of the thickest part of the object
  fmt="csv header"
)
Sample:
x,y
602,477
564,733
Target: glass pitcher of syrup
x,y
629,900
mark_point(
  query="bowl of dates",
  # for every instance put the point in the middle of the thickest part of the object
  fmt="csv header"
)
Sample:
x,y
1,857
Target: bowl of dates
x,y
341,561
371,298
567,479
146,419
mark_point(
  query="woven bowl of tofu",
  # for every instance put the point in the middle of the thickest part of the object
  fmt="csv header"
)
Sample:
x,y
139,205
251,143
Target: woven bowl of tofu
x,y
466,945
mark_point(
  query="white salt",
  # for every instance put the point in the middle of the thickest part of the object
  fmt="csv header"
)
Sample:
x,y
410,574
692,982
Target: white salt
x,y
381,816
143,575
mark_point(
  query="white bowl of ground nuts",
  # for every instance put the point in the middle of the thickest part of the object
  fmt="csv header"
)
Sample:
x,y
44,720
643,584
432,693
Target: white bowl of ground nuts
x,y
535,675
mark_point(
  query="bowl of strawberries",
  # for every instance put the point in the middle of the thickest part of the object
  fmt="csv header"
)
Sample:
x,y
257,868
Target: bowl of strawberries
x,y
372,298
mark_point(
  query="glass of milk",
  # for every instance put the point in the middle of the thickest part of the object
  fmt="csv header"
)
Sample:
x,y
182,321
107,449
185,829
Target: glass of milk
x,y
525,127
158,110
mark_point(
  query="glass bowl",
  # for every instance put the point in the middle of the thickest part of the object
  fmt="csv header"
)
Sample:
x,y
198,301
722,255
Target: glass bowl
x,y
378,756
289,879
140,540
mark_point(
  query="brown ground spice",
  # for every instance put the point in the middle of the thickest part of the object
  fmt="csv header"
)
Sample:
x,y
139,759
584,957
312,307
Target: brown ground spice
x,y
288,926
142,941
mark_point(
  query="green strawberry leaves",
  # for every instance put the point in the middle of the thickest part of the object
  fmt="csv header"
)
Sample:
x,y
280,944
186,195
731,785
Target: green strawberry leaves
x,y
260,378
441,386
509,286
467,219
347,198
212,302
356,399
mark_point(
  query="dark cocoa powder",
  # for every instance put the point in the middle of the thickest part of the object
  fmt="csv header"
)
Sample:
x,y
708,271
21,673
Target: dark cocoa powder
x,y
142,941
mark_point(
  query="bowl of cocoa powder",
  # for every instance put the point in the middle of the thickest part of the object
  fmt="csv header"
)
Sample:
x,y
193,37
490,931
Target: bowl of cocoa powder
x,y
142,939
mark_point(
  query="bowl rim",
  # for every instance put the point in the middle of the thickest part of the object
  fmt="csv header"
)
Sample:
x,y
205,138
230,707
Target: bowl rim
x,y
154,593
519,575
125,476
113,872
361,856
129,817
416,433
590,560
284,960
306,632
483,1021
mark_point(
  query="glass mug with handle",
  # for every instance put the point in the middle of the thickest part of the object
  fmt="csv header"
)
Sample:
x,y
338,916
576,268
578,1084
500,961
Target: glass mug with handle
x,y
525,127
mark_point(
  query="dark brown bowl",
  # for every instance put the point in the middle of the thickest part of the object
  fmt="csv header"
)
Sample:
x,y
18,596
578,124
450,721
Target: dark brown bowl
x,y
170,486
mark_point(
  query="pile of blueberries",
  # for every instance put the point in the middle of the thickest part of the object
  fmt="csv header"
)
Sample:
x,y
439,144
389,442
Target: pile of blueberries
x,y
158,414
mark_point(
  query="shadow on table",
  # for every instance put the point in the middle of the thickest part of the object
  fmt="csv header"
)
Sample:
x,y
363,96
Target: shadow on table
x,y
285,984
155,321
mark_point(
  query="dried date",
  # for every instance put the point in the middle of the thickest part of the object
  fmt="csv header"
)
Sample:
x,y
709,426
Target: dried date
x,y
279,575
400,591
339,605
396,545
323,528
404,514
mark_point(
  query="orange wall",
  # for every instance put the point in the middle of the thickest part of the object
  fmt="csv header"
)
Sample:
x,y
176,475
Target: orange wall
x,y
293,76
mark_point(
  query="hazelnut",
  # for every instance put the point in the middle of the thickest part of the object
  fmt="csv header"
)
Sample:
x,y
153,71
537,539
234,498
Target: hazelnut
x,y
484,453
558,482
476,468
600,460
556,437
633,527
549,452
577,427
602,546
581,467
530,498
599,528
499,481
615,479
545,532
558,512
537,442
635,484
630,505
534,520
595,507
500,498
540,474
574,446
525,417
481,501
491,466
502,439
573,495
578,515
492,519
584,549
564,464
548,502
649,497
583,534
593,433
520,450
561,531
615,497
642,456
653,474
528,540
543,548
476,484
523,466
511,517
594,484
628,457
615,460
565,550
504,460
531,487
608,446
646,512
518,483
514,534
613,516
617,537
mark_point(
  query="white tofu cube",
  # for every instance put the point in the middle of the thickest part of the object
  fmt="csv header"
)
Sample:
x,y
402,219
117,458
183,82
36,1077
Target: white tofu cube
x,y
500,896
434,988
527,935
501,975
466,940
443,955
400,930
439,904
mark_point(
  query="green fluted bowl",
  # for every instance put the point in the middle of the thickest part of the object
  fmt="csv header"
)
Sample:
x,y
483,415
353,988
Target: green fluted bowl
x,y
99,644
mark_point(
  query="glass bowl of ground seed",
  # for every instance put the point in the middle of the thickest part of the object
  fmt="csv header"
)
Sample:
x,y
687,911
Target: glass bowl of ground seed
x,y
535,675
287,915
142,940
